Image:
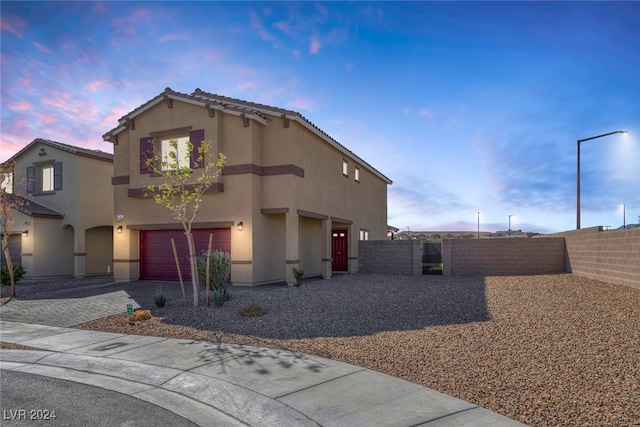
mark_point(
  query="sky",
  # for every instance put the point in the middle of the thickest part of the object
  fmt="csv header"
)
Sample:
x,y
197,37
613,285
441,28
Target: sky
x,y
466,106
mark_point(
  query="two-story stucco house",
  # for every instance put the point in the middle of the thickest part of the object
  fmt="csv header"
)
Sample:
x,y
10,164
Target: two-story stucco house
x,y
65,224
289,197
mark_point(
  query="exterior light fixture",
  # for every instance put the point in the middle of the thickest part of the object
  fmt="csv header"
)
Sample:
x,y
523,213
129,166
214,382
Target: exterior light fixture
x,y
25,233
578,173
240,226
119,229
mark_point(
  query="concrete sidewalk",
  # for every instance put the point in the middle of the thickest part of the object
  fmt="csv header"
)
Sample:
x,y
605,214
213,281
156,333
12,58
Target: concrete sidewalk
x,y
231,385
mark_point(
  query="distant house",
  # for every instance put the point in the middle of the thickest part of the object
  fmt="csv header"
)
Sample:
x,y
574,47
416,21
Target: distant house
x,y
290,196
65,225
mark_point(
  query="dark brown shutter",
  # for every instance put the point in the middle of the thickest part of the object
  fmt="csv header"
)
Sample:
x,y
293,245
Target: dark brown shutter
x,y
31,179
146,154
57,176
196,137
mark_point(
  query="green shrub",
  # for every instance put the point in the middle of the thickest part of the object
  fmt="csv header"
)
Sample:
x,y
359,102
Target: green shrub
x,y
253,310
18,272
159,298
219,272
297,276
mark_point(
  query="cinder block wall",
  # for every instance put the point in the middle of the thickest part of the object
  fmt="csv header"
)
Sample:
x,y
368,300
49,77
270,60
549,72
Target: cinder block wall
x,y
390,256
611,256
503,257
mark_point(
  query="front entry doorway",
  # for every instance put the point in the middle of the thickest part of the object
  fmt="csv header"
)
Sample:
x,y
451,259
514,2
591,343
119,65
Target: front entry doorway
x,y
339,250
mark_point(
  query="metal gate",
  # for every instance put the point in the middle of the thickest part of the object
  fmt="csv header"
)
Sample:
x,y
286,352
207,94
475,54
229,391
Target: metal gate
x,y
432,258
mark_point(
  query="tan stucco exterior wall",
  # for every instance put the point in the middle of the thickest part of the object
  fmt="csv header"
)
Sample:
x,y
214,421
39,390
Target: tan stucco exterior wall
x,y
287,219
58,246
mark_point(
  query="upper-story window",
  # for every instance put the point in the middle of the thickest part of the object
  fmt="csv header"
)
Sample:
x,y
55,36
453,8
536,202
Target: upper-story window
x,y
174,153
356,174
44,177
6,182
158,144
345,167
47,178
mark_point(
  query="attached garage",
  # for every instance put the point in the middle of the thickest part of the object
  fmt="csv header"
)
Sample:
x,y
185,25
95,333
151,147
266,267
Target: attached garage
x,y
157,261
15,250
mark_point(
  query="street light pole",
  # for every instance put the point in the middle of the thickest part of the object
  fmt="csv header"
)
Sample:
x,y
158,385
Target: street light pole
x,y
624,216
578,172
509,231
478,224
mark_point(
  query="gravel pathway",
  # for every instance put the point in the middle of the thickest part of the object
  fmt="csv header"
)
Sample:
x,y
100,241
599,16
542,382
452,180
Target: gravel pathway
x,y
544,350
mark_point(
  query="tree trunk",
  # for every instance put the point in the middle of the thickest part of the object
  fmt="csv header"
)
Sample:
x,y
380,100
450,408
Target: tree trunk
x,y
193,261
7,256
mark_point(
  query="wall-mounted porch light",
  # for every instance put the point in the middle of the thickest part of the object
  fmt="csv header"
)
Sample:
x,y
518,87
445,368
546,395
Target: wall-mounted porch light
x,y
240,226
119,229
25,233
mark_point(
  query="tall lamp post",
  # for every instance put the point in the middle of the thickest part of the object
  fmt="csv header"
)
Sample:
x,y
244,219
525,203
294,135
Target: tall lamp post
x,y
478,224
578,174
624,216
510,225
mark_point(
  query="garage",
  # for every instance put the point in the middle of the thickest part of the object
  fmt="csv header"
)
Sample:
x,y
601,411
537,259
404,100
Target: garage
x,y
15,250
157,261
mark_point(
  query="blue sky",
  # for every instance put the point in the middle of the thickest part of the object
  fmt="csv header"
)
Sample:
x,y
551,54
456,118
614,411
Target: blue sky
x,y
466,106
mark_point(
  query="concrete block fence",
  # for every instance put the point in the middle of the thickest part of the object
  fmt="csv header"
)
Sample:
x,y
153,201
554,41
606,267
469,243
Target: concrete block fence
x,y
610,256
503,257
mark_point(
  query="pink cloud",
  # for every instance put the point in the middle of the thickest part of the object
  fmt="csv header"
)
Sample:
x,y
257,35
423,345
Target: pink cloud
x,y
246,85
301,104
20,106
425,112
97,84
315,46
257,24
42,48
171,37
126,25
46,118
13,25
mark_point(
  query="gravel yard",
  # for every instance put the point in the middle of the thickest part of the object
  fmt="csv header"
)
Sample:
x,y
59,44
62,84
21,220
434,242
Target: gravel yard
x,y
544,350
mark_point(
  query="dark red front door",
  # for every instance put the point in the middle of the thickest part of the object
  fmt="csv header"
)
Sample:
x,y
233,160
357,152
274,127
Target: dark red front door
x,y
156,254
339,250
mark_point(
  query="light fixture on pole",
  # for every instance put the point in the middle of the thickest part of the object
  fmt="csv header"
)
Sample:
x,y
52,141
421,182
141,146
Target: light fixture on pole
x,y
509,231
578,172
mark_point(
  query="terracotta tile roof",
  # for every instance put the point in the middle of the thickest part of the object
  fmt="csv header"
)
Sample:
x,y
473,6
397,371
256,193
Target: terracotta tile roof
x,y
238,106
79,151
32,208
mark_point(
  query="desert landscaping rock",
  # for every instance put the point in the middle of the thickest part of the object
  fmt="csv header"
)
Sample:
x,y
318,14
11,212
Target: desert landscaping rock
x,y
544,350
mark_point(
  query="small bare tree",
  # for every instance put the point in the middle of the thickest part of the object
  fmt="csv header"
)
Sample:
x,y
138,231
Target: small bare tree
x,y
9,203
183,189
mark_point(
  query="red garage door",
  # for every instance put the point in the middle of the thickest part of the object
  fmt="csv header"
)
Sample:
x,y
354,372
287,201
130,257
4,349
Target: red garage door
x,y
156,254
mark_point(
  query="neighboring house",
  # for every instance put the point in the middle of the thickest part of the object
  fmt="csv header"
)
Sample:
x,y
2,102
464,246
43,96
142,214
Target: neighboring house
x,y
289,197
65,225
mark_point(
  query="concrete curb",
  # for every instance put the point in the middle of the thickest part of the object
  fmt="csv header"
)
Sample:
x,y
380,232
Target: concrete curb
x,y
221,384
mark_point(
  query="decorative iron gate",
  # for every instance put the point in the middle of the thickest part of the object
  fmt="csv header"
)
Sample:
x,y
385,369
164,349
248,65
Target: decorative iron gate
x,y
432,258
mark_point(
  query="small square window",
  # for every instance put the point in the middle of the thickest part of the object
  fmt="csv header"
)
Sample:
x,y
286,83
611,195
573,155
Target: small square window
x,y
345,167
364,234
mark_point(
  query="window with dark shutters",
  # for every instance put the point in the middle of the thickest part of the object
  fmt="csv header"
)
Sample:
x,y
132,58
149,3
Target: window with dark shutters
x,y
31,179
57,176
196,137
146,154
